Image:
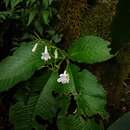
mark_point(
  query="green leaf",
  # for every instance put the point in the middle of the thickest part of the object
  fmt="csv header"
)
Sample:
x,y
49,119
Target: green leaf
x,y
6,2
63,102
4,15
38,26
38,81
91,99
90,49
46,17
30,2
45,3
14,3
23,115
46,105
32,86
75,122
32,15
122,123
20,66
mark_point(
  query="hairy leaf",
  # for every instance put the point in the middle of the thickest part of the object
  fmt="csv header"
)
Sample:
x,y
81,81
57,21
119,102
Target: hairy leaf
x,y
23,114
75,122
90,49
20,66
87,91
91,99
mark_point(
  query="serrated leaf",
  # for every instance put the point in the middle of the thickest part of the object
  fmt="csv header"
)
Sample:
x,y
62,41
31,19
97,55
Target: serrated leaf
x,y
23,115
91,99
87,91
20,66
75,122
90,49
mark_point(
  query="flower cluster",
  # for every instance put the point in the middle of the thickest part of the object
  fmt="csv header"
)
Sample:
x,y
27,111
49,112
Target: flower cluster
x,y
63,78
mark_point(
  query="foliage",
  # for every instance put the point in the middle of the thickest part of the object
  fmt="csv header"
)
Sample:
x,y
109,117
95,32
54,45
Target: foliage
x,y
20,66
92,98
50,87
88,94
23,115
31,15
90,50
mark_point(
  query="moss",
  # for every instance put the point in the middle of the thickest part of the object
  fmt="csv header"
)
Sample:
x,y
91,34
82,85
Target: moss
x,y
97,20
70,15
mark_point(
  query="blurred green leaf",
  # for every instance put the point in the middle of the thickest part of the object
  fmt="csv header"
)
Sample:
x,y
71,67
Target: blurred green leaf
x,y
45,3
14,3
46,17
31,17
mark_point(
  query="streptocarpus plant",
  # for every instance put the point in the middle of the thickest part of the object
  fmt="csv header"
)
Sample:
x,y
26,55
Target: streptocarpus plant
x,y
58,89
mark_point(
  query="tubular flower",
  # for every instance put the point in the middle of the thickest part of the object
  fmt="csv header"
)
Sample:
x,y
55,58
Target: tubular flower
x,y
56,54
35,47
45,55
63,78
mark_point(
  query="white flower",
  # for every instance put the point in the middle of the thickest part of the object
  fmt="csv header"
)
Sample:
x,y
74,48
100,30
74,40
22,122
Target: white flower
x,y
56,54
35,47
45,55
64,78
